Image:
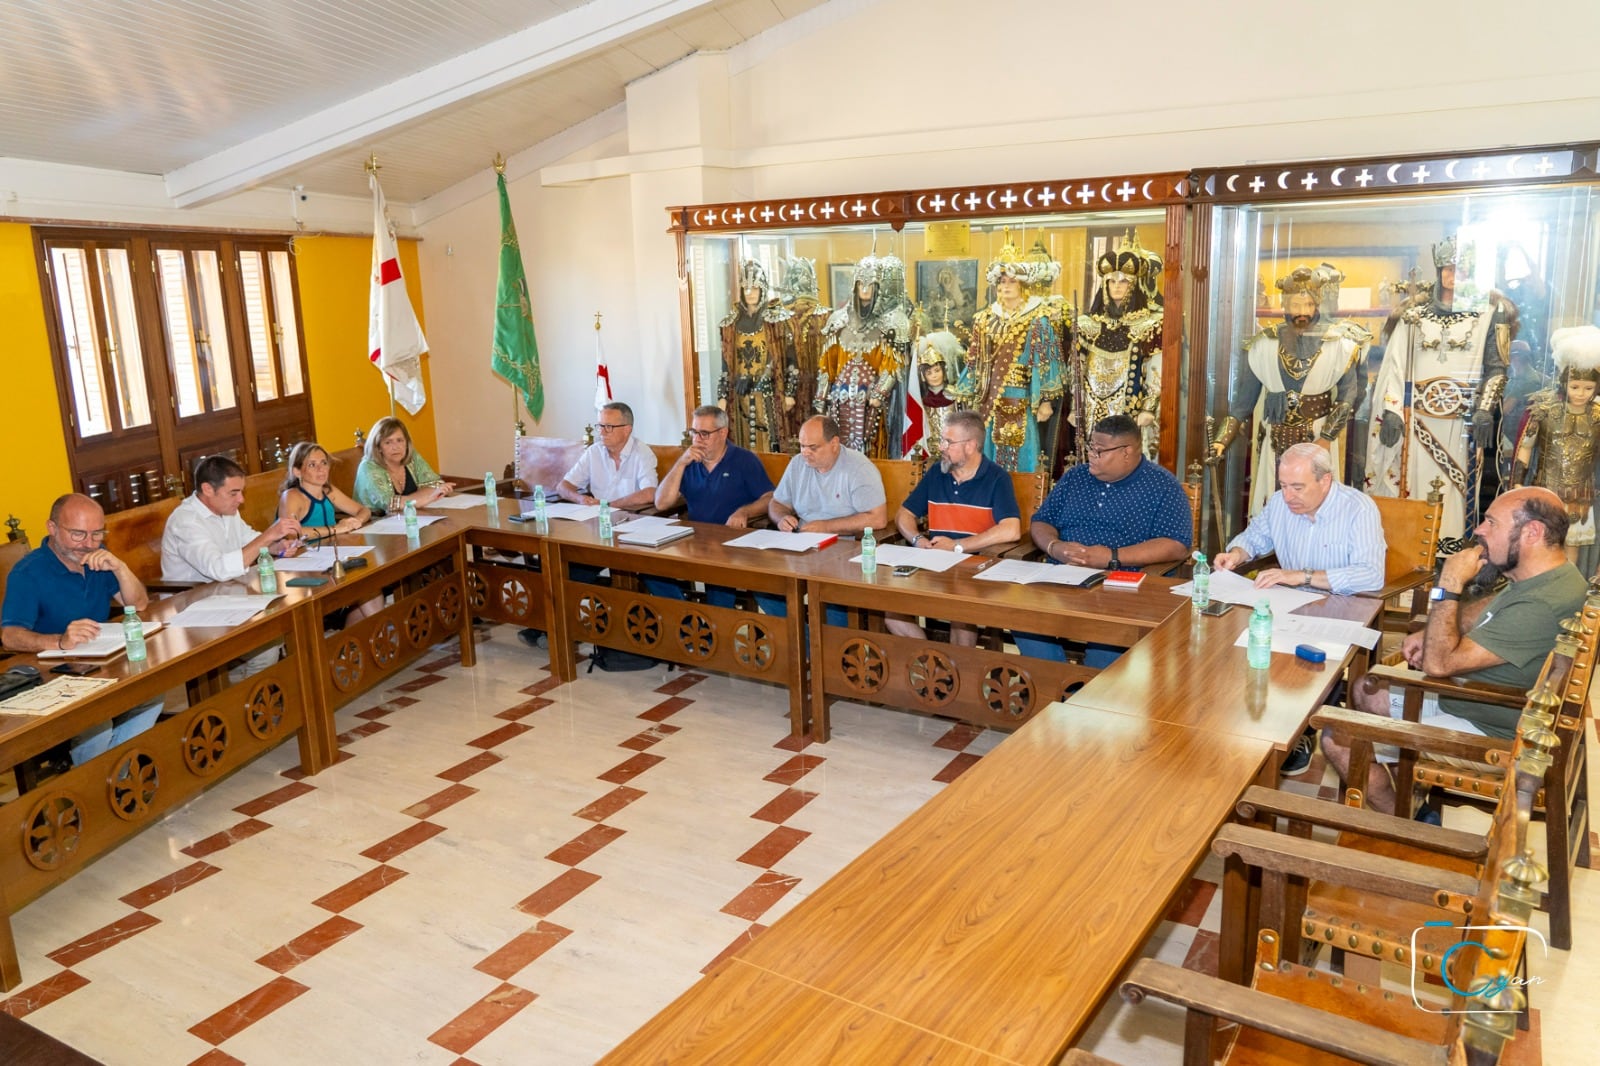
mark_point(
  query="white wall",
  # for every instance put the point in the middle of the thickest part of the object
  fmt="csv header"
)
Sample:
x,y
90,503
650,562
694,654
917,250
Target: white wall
x,y
860,95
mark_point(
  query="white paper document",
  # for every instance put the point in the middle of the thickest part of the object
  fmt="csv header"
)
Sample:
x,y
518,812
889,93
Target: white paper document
x,y
776,538
572,512
396,523
457,503
1023,572
638,523
317,560
109,642
1230,587
53,695
220,611
922,558
1332,635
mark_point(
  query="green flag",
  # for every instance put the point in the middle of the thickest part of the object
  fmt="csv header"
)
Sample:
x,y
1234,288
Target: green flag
x,y
516,353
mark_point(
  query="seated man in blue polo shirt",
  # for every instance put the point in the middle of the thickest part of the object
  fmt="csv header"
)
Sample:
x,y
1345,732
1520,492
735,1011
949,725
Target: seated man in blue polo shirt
x,y
969,503
1116,511
59,596
720,482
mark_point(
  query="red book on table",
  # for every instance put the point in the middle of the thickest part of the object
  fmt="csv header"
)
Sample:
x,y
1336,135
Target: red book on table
x,y
1124,579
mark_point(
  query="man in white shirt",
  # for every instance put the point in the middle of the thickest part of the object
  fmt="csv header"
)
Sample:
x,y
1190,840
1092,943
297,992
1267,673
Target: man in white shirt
x,y
206,540
616,468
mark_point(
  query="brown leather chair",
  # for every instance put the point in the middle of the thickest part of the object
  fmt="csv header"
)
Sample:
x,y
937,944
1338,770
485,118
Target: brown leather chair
x,y
1411,537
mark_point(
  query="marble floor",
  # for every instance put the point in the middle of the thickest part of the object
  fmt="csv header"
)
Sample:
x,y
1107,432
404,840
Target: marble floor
x,y
504,870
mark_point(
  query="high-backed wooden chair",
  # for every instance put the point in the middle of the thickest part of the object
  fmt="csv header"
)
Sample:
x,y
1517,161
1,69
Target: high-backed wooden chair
x,y
11,553
1031,490
1411,538
543,461
666,455
1194,489
900,476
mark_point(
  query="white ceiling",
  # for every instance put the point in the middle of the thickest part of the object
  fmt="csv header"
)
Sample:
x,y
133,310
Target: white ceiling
x,y
218,97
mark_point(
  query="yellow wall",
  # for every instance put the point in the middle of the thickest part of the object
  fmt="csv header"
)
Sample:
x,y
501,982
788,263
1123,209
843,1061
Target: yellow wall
x,y
346,392
31,436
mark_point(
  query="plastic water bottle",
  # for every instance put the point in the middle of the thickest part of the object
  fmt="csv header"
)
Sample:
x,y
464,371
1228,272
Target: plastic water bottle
x,y
605,522
1258,649
489,494
411,519
267,572
869,553
541,510
1200,594
133,635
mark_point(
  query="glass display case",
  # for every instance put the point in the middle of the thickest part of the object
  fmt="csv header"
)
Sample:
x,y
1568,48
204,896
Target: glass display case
x,y
888,310
1412,316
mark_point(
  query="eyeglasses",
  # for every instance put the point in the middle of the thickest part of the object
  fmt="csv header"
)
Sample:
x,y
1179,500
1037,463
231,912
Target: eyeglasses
x,y
85,534
609,425
704,433
949,441
1095,453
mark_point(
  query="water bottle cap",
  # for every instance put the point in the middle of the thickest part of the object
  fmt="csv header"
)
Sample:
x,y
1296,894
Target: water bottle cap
x,y
1198,557
129,610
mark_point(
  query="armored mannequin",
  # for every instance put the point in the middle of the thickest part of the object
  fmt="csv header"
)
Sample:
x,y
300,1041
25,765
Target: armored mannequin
x,y
1442,377
895,303
1300,380
1014,375
864,346
1559,435
939,357
759,376
1119,347
799,294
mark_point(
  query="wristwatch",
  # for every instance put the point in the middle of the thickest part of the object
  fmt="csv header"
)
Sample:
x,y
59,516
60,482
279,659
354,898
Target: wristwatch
x,y
1307,582
1116,562
919,538
1438,593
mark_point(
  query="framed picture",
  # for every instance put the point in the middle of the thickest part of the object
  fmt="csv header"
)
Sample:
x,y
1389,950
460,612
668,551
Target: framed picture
x,y
947,289
841,277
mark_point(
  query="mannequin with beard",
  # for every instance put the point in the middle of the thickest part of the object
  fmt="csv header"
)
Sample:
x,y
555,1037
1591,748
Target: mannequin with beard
x,y
799,295
939,356
1443,373
864,346
1300,380
1559,438
1014,375
758,364
1119,342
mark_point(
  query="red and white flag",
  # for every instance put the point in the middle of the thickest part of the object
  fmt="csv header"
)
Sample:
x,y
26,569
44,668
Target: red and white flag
x,y
394,338
602,375
912,427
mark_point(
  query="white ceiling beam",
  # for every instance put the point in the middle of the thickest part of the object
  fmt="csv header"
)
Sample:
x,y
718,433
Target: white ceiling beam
x,y
360,118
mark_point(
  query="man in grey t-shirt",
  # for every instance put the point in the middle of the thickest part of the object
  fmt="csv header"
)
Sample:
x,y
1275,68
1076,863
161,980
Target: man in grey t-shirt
x,y
828,488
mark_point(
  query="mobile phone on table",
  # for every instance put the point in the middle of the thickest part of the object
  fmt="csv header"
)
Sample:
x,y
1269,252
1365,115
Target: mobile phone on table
x,y
1216,609
75,669
904,571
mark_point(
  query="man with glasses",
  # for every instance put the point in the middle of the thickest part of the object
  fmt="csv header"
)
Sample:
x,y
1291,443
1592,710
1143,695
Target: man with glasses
x,y
1117,511
206,540
59,596
616,468
969,503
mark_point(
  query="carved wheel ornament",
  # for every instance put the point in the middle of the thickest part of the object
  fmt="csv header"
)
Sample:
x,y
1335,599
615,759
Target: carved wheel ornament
x,y
642,624
52,832
263,712
385,643
348,665
132,785
477,590
419,624
515,598
449,605
863,664
697,635
594,616
205,743
752,646
933,677
1008,691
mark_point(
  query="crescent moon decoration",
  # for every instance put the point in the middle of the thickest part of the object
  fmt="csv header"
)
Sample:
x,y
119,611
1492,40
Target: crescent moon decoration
x,y
811,210
1334,177
1392,168
1104,194
1283,178
783,215
1145,192
988,201
1450,170
955,201
1511,166
919,203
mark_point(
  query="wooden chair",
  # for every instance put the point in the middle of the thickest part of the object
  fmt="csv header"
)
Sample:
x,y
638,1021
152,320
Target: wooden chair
x,y
1288,1004
11,553
1411,537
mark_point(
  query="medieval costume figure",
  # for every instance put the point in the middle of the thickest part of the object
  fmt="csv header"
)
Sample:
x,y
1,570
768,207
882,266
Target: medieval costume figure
x,y
895,303
864,346
1559,435
939,357
758,364
1119,347
1443,373
1014,374
799,294
1300,380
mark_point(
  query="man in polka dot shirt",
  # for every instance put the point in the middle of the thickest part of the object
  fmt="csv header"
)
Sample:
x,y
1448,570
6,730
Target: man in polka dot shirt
x,y
1117,511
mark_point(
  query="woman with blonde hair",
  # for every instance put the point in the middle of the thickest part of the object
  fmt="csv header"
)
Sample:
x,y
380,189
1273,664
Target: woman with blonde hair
x,y
393,473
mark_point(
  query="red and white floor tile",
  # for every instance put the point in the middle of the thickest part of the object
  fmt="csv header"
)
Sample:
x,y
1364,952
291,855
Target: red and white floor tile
x,y
503,870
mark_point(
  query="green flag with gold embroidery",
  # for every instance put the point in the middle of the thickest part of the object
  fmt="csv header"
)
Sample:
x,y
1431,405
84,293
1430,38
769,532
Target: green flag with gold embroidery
x,y
516,352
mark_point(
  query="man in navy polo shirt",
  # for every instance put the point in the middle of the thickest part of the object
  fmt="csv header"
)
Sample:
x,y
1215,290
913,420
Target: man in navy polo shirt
x,y
61,593
1117,511
719,482
969,503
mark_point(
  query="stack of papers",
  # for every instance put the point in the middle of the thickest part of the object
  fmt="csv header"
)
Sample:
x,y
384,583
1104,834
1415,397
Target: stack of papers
x,y
922,558
572,512
652,531
789,542
1332,635
1230,587
396,523
316,560
109,642
1022,572
220,611
458,503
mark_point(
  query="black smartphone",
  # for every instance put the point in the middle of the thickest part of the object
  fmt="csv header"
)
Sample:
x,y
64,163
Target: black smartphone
x,y
1092,580
520,517
306,582
905,571
75,669
1216,608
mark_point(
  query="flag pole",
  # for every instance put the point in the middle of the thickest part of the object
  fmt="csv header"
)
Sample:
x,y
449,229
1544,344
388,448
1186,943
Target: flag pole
x,y
371,167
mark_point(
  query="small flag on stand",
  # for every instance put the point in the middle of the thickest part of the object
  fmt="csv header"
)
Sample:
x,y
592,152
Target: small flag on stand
x,y
516,352
912,427
394,337
602,375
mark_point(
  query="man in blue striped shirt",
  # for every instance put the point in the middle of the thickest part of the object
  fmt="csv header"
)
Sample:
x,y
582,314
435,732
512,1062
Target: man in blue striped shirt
x,y
1326,535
